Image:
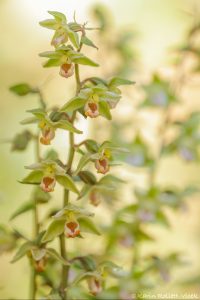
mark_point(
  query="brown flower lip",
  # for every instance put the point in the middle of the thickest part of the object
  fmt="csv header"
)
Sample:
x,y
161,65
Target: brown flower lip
x,y
48,135
102,165
66,70
91,109
94,286
48,183
72,229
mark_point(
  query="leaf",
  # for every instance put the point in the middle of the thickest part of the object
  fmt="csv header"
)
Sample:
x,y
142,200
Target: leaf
x,y
87,177
58,15
38,254
22,251
82,162
31,120
53,253
33,177
67,182
73,36
117,81
55,229
85,40
52,63
74,104
84,60
79,211
21,141
49,23
87,225
64,124
21,89
91,146
105,110
22,209
86,275
38,112
51,54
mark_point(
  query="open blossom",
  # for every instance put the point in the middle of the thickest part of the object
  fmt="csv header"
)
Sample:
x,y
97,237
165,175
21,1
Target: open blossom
x,y
102,165
94,198
72,229
94,285
48,183
91,109
66,70
48,133
40,265
59,38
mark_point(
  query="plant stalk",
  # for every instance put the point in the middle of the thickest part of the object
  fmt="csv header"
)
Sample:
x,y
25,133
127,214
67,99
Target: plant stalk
x,y
63,250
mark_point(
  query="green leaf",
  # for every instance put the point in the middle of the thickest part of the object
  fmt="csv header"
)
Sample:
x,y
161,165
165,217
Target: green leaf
x,y
82,162
38,112
53,253
21,141
104,110
87,225
38,253
79,211
22,209
55,229
52,63
91,146
117,81
33,177
87,177
64,124
22,251
74,104
73,36
51,54
83,60
21,89
58,15
49,23
31,120
67,182
85,40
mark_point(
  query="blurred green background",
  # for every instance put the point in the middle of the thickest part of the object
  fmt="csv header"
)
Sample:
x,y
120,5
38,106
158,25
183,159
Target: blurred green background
x,y
160,25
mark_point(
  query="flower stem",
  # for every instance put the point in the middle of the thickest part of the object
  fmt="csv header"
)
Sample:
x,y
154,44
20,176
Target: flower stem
x,y
36,229
63,250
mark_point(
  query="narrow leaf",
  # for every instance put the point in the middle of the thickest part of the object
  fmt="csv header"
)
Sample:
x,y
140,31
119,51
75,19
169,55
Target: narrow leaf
x,y
105,110
55,229
33,177
67,182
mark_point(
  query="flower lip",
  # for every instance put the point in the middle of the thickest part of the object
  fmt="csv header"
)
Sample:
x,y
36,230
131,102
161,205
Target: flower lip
x,y
91,109
72,229
48,134
66,70
102,165
48,183
94,286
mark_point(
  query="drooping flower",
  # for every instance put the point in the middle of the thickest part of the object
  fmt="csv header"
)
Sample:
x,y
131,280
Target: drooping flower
x,y
60,37
40,265
91,109
48,133
72,229
66,70
102,165
94,286
94,198
48,183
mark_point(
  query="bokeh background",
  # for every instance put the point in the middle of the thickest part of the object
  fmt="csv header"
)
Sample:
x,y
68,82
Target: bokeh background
x,y
160,24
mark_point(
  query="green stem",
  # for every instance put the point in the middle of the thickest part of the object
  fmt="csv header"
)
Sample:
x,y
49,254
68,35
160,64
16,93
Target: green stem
x,y
63,250
33,285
